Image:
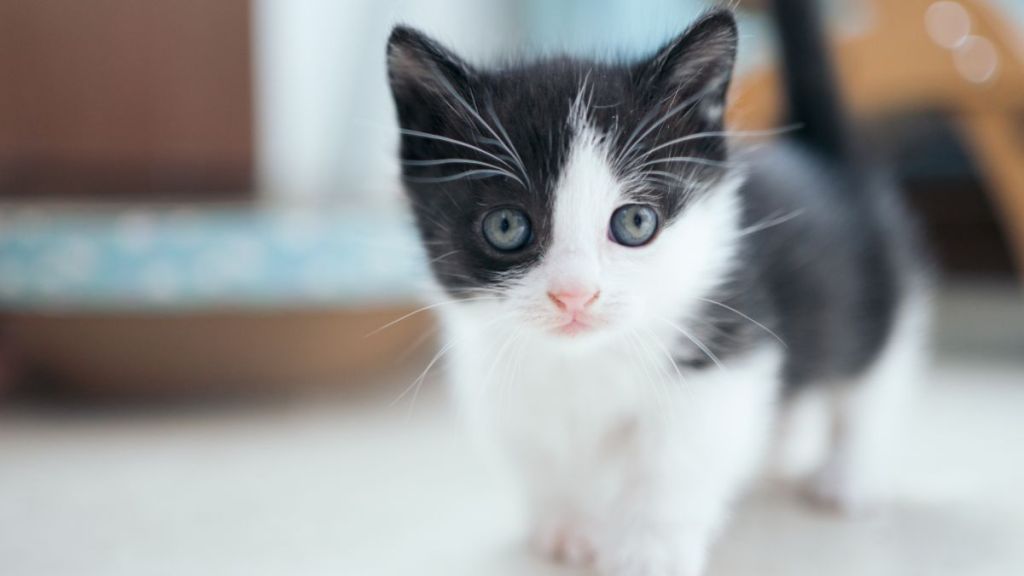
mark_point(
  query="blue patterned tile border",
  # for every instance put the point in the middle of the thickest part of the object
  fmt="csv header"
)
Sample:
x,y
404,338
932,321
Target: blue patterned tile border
x,y
186,258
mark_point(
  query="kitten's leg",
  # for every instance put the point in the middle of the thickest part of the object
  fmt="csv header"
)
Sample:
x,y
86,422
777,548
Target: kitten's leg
x,y
563,536
866,418
676,494
794,436
561,530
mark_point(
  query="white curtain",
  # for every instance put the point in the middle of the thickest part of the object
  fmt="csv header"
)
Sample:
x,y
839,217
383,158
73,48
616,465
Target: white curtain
x,y
325,122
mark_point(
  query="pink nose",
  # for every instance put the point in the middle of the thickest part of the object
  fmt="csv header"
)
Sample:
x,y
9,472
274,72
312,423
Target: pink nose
x,y
574,300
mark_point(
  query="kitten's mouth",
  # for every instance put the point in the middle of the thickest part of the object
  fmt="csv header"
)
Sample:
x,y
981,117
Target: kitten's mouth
x,y
574,327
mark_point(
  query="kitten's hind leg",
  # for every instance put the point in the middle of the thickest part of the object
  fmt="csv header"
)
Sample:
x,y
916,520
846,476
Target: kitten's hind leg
x,y
866,417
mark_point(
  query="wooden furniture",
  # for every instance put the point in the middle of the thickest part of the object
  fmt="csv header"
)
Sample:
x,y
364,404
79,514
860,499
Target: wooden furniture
x,y
960,58
153,355
135,101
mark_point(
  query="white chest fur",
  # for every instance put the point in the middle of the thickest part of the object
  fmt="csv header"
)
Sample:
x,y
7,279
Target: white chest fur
x,y
581,424
553,406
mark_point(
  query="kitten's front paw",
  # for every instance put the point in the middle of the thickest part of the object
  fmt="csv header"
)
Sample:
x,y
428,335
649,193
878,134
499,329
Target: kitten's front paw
x,y
564,541
654,554
834,489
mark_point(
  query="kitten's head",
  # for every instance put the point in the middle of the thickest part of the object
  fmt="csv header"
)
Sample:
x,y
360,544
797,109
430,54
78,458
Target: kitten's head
x,y
571,197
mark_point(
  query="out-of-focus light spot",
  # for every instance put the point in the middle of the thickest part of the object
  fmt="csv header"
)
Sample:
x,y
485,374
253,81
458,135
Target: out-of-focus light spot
x,y
948,23
977,60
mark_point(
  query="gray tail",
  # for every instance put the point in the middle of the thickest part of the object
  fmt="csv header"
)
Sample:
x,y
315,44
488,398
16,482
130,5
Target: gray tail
x,y
814,103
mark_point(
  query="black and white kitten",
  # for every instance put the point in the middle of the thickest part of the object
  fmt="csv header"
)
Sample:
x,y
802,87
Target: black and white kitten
x,y
630,300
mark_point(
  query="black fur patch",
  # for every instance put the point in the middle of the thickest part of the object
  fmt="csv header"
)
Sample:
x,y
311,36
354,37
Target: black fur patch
x,y
820,270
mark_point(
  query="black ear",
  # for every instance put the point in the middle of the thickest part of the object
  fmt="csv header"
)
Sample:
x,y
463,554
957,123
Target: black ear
x,y
696,64
419,67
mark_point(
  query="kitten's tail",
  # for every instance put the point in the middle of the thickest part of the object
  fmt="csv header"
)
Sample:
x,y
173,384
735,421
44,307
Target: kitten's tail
x,y
814,101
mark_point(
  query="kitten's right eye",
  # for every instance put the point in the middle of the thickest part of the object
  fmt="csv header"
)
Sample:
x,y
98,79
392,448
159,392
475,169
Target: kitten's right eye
x,y
507,229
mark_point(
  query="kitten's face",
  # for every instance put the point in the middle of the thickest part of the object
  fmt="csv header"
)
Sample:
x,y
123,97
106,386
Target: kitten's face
x,y
570,198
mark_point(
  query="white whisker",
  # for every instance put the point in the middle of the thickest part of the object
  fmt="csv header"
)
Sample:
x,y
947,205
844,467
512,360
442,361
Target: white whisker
x,y
685,160
696,342
742,315
497,358
452,141
670,178
661,397
445,161
508,141
424,309
769,223
476,115
631,144
443,256
668,355
497,384
415,385
483,173
720,133
415,345
512,375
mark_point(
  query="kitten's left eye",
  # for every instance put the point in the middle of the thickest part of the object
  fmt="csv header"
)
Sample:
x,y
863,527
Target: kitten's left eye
x,y
634,225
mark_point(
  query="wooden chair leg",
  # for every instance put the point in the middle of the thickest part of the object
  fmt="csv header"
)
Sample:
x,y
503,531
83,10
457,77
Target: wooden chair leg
x,y
1000,155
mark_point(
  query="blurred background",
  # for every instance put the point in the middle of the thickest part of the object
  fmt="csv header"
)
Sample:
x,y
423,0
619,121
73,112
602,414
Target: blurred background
x,y
201,221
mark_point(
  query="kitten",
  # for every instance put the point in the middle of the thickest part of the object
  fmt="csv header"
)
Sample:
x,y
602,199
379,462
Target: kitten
x,y
631,300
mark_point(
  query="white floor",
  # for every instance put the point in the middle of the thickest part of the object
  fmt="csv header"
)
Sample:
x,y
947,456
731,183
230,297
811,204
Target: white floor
x,y
332,488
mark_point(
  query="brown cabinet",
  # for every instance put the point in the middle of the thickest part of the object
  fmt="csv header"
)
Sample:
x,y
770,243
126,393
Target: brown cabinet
x,y
125,99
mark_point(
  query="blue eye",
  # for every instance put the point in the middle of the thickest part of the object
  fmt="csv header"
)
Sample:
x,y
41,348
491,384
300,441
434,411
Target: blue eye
x,y
507,229
634,225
